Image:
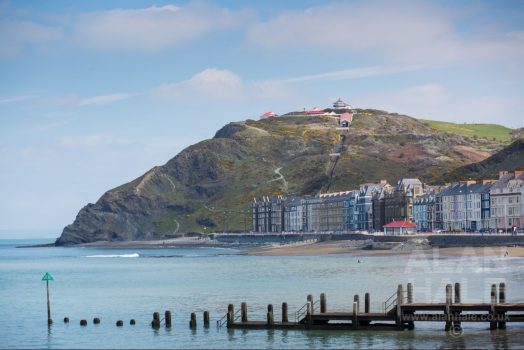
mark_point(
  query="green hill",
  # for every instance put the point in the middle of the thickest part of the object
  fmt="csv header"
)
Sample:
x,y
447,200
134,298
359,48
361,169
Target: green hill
x,y
488,131
210,186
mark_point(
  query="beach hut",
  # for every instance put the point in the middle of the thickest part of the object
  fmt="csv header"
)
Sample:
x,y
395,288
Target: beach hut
x,y
399,228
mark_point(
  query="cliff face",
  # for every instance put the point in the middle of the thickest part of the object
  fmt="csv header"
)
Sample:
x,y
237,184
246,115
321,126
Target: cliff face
x,y
209,186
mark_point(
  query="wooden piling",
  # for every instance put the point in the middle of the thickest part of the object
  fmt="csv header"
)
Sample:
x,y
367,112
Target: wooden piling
x,y
270,318
366,303
167,318
230,314
284,313
156,320
243,311
96,320
502,300
356,299
493,322
206,319
119,323
66,319
457,324
309,313
323,303
132,322
410,293
449,299
193,321
355,315
310,300
400,298
83,322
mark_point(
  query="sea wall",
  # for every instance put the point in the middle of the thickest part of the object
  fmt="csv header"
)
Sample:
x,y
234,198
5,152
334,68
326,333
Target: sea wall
x,y
284,238
474,240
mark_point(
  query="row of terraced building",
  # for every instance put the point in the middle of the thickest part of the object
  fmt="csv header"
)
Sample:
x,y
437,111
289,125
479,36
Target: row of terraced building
x,y
410,204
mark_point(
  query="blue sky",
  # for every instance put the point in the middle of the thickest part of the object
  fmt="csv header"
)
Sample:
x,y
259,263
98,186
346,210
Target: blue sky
x,y
95,93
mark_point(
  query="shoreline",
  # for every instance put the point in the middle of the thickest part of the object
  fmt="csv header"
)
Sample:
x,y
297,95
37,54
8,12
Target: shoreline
x,y
310,247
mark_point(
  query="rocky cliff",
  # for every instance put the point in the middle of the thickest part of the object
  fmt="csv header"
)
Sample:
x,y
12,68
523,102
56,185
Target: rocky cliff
x,y
209,186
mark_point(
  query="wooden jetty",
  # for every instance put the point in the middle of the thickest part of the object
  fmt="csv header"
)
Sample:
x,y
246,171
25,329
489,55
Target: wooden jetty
x,y
399,312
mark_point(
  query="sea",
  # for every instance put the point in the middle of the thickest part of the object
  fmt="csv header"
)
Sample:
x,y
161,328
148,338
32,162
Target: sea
x,y
124,284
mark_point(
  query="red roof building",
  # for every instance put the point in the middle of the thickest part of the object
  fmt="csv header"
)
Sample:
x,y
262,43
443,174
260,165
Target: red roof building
x,y
269,114
345,119
315,111
400,227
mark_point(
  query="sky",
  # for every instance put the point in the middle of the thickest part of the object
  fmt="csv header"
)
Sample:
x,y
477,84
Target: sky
x,y
95,93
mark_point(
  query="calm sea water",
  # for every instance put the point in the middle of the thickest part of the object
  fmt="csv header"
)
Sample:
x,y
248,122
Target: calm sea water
x,y
120,284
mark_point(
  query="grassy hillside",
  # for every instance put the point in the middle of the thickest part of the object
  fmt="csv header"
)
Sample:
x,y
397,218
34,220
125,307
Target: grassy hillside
x,y
489,131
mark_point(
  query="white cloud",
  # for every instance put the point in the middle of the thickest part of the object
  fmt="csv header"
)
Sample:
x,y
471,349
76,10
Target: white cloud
x,y
389,31
152,28
220,85
15,99
16,35
88,141
105,99
433,101
356,73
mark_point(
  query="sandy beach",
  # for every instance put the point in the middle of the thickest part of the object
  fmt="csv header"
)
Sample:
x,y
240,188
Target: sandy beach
x,y
341,247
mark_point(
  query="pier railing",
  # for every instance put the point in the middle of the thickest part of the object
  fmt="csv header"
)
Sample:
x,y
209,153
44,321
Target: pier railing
x,y
391,302
301,313
224,319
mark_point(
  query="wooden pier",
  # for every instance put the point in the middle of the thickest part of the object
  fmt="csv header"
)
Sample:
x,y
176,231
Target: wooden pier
x,y
399,312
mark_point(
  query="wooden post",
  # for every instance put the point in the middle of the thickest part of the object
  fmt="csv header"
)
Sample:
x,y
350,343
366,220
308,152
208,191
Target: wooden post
x,y
449,298
284,313
310,300
243,311
457,324
230,314
193,321
400,298
493,323
322,302
270,319
167,318
502,300
49,320
119,323
206,319
83,322
132,322
156,320
66,319
366,303
309,313
96,320
355,315
457,293
410,293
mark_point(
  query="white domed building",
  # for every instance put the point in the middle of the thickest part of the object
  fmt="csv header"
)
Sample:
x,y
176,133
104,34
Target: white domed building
x,y
341,105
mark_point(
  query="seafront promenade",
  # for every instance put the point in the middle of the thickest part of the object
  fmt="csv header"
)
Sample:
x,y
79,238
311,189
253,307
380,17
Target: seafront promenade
x,y
434,239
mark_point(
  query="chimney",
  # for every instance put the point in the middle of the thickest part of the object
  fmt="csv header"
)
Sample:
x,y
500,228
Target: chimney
x,y
502,173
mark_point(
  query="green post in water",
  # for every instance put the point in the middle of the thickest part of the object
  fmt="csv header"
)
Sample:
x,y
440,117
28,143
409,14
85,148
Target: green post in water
x,y
47,277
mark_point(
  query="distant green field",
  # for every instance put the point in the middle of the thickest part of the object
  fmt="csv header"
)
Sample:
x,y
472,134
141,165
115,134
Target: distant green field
x,y
489,131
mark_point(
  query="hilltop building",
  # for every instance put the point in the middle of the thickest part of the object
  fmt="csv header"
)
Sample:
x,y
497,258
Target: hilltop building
x,y
269,115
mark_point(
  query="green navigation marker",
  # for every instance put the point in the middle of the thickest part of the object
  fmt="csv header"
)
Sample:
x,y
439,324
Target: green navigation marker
x,y
47,277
